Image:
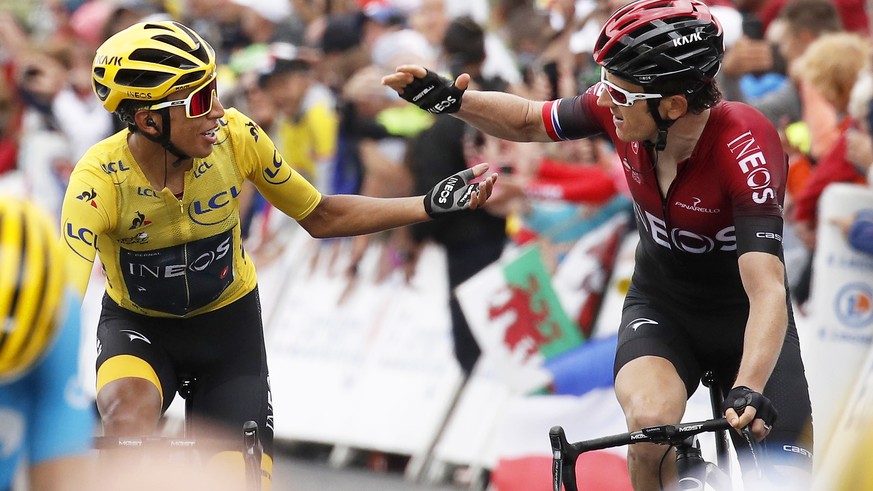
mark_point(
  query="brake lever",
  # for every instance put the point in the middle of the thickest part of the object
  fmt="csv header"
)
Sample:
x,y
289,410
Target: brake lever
x,y
563,460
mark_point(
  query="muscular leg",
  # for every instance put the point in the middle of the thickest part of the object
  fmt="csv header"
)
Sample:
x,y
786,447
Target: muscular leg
x,y
129,406
650,393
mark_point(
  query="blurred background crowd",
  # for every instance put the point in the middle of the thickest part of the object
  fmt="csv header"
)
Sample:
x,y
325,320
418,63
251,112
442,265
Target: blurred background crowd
x,y
308,71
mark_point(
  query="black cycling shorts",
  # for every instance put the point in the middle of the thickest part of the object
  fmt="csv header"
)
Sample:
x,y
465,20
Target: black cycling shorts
x,y
222,351
705,340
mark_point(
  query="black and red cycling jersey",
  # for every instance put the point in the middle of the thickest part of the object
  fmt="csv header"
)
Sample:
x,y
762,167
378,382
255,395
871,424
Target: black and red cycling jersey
x,y
725,200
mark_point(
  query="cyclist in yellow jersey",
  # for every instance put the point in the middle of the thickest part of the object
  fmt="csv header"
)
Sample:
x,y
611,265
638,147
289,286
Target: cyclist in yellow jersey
x,y
158,202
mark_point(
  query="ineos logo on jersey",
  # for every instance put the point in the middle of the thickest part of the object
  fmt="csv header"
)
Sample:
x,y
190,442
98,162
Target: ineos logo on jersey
x,y
277,173
181,278
725,240
199,263
213,210
751,160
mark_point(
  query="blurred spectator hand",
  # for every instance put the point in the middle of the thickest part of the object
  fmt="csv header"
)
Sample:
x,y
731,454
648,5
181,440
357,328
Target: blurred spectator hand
x,y
40,76
748,56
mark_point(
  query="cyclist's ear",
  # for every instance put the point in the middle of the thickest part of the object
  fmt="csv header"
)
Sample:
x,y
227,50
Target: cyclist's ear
x,y
673,107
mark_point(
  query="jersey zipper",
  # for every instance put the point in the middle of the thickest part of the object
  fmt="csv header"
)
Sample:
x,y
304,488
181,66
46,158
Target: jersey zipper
x,y
187,285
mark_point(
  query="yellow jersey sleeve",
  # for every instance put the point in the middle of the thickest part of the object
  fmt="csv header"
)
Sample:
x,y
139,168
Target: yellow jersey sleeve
x,y
262,163
86,216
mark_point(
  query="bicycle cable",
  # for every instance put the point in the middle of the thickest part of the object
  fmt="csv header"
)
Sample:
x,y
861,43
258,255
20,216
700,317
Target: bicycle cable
x,y
661,468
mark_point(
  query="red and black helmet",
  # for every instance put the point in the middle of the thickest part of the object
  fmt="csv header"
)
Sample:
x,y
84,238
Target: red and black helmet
x,y
648,41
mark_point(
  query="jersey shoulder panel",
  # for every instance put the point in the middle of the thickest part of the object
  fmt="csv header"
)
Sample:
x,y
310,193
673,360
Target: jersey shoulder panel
x,y
748,152
247,139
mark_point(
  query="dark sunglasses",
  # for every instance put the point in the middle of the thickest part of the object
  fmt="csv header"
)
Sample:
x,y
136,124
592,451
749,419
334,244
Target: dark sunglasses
x,y
198,103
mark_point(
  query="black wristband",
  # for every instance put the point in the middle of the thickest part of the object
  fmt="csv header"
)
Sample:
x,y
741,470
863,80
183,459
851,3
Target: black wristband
x,y
433,93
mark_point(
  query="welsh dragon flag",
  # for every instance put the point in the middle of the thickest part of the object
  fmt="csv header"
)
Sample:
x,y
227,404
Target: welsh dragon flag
x,y
516,316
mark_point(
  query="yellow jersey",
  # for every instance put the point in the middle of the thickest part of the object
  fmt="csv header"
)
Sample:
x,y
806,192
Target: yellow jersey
x,y
167,256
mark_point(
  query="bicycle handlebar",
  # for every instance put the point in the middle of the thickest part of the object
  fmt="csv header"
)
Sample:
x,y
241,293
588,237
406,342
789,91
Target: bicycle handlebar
x,y
565,454
111,442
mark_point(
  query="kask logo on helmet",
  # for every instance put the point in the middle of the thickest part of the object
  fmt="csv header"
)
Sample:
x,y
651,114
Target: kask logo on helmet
x,y
108,60
689,38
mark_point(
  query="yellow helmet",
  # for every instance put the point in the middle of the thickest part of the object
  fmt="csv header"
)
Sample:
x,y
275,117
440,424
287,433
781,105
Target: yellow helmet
x,y
31,286
149,61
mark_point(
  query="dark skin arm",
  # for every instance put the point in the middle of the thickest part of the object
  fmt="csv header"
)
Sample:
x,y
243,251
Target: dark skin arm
x,y
347,215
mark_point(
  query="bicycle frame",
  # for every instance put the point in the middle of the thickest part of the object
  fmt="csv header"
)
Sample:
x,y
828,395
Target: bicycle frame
x,y
250,446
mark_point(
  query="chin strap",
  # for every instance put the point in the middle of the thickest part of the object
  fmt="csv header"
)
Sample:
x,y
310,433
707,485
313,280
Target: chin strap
x,y
663,125
163,139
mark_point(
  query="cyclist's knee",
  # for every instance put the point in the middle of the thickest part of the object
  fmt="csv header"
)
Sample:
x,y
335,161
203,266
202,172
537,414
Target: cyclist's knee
x,y
129,407
643,411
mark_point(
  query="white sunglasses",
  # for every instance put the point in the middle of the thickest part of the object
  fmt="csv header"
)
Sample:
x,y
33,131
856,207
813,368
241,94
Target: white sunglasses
x,y
621,97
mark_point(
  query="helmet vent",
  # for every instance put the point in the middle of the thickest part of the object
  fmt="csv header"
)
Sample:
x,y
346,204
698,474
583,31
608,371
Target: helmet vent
x,y
190,78
139,78
161,57
101,90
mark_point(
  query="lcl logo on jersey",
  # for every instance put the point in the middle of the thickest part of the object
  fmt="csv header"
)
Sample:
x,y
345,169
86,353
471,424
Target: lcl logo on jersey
x,y
201,169
113,167
277,173
81,240
215,209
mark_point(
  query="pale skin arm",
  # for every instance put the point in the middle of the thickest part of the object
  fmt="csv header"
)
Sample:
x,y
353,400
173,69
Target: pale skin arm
x,y
346,215
763,280
503,115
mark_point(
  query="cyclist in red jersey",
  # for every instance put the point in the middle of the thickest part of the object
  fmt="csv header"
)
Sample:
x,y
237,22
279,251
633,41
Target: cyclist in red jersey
x,y
707,177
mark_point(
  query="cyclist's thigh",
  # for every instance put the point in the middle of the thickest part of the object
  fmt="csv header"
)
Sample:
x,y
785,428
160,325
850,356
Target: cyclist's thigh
x,y
132,345
232,384
647,331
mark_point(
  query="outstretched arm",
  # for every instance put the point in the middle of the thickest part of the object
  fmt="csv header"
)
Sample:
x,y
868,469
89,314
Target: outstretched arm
x,y
345,215
500,114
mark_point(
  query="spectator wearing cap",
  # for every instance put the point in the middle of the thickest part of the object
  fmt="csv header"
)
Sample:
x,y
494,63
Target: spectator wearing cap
x,y
305,129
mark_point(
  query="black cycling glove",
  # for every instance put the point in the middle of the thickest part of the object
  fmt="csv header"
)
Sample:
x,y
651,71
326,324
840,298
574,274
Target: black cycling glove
x,y
451,194
740,397
434,94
